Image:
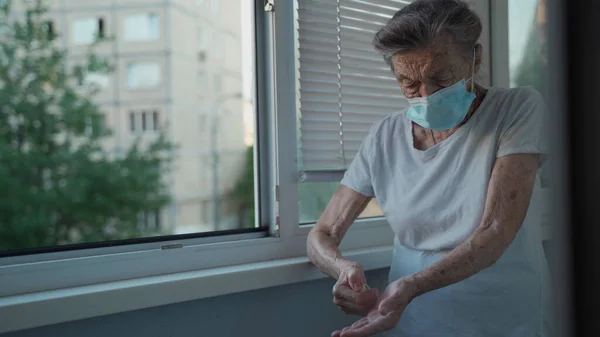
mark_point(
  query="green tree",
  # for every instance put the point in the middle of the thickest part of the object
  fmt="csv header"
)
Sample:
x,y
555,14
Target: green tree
x,y
533,71
243,191
59,185
313,198
533,68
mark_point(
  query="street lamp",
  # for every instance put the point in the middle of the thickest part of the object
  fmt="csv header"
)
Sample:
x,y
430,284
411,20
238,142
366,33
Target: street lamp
x,y
215,153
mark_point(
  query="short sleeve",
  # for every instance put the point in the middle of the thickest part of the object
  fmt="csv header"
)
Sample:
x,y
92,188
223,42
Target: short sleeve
x,y
358,174
523,129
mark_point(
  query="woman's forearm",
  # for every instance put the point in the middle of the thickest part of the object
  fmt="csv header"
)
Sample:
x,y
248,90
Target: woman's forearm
x,y
477,253
324,239
323,251
509,194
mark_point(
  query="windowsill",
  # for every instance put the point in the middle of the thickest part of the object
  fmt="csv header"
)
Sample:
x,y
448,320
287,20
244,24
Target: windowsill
x,y
40,309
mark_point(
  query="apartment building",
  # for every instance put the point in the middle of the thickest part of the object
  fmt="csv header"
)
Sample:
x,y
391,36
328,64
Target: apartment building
x,y
178,69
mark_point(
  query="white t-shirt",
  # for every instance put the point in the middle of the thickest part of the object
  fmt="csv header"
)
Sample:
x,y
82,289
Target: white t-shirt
x,y
434,200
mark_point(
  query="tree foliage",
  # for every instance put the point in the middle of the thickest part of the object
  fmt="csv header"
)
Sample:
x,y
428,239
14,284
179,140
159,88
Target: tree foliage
x,y
533,67
243,192
59,184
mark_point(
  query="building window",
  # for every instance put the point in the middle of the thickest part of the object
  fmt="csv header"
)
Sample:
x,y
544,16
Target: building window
x,y
93,81
141,121
48,28
149,221
87,30
142,27
143,75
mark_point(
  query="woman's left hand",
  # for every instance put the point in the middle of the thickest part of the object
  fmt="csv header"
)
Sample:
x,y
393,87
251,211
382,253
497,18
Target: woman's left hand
x,y
386,314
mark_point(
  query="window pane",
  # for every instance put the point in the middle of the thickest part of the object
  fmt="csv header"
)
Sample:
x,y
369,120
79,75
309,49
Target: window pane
x,y
142,27
527,39
143,75
70,184
84,31
528,53
314,197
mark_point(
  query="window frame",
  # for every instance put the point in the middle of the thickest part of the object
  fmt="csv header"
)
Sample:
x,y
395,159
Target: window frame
x,y
276,179
117,277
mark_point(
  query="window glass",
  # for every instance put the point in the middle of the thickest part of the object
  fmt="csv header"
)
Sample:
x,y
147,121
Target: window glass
x,y
528,54
85,31
142,27
527,43
313,198
73,185
94,81
143,75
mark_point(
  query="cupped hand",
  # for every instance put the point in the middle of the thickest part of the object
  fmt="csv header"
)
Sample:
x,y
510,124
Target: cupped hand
x,y
350,292
385,315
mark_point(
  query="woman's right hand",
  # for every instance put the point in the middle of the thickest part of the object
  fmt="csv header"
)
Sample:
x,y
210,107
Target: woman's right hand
x,y
350,292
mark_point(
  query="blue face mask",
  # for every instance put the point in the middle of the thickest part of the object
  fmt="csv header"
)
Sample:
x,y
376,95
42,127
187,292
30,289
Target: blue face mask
x,y
445,108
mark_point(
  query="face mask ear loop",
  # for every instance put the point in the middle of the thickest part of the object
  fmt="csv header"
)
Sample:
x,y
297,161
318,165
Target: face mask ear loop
x,y
473,73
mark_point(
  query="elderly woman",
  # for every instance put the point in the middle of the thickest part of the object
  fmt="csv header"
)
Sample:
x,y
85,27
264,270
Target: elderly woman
x,y
455,174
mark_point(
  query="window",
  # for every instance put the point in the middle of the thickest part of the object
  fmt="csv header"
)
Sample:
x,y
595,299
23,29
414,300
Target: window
x,y
86,30
143,75
528,53
527,43
149,221
93,81
143,121
155,121
142,27
344,87
117,182
48,28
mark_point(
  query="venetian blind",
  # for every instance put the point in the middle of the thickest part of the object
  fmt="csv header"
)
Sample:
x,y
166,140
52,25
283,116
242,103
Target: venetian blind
x,y
345,86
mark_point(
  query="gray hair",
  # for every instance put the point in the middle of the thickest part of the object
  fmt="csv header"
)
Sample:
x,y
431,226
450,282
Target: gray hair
x,y
419,24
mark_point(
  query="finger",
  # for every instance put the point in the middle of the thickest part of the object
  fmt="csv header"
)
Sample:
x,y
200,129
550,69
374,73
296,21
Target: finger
x,y
350,308
336,333
361,322
357,280
344,292
366,330
373,327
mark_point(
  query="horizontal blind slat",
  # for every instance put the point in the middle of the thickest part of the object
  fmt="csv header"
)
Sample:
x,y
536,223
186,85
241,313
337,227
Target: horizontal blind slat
x,y
344,84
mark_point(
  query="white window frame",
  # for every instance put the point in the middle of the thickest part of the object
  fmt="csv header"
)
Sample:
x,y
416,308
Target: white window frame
x,y
129,277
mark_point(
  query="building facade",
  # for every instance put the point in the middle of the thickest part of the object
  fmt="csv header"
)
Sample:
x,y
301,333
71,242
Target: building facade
x,y
177,69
